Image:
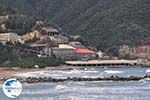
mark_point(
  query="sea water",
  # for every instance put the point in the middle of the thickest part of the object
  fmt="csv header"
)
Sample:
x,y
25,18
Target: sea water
x,y
85,91
100,90
92,72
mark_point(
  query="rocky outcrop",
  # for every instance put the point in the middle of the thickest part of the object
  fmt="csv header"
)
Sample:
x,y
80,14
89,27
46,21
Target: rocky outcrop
x,y
30,36
50,79
142,52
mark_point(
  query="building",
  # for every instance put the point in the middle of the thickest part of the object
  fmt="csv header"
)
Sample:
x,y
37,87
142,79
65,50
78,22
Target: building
x,y
76,44
64,53
84,54
68,52
54,35
65,46
3,18
48,50
59,39
50,31
100,54
8,37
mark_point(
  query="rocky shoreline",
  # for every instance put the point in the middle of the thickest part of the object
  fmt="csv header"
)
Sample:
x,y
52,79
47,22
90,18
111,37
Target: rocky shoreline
x,y
50,79
6,73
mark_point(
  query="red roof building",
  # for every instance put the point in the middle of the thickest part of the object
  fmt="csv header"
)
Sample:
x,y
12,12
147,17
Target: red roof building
x,y
83,51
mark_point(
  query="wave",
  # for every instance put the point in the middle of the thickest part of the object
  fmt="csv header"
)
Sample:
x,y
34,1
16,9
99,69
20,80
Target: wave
x,y
61,87
30,74
148,71
145,79
113,72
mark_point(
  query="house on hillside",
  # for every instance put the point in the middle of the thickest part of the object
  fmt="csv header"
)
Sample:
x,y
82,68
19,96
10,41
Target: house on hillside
x,y
3,18
100,54
76,44
54,35
59,39
85,54
68,52
63,51
50,31
8,37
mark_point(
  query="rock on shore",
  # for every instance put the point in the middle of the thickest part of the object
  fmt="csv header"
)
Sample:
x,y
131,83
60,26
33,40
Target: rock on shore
x,y
50,79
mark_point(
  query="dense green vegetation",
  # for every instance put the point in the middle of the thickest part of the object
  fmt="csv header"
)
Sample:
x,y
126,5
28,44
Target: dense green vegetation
x,y
20,23
106,24
6,54
17,22
12,56
31,62
6,10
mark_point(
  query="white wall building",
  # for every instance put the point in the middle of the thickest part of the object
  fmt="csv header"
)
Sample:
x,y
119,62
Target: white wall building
x,y
8,37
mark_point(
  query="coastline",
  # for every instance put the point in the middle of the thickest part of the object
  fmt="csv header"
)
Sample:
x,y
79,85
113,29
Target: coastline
x,y
9,72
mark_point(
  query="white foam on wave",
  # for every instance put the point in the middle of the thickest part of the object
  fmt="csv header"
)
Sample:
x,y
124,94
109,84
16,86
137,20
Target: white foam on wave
x,y
145,79
60,87
113,72
57,73
92,71
77,71
148,71
30,74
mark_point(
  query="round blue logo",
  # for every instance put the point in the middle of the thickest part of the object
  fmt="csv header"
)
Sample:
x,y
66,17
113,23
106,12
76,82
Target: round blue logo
x,y
12,88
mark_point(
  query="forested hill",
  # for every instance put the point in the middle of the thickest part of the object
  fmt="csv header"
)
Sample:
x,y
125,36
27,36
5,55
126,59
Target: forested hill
x,y
6,10
104,23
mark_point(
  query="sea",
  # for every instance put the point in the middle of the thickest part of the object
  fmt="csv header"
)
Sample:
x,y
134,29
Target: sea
x,y
94,90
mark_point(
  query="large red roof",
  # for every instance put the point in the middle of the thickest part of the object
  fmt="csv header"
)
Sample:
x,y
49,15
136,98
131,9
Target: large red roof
x,y
83,51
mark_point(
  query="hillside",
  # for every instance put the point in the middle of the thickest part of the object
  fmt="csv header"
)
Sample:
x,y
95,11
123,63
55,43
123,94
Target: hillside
x,y
106,24
6,10
11,20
